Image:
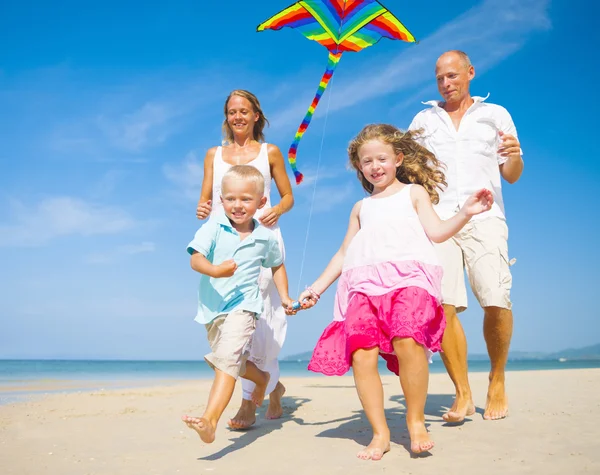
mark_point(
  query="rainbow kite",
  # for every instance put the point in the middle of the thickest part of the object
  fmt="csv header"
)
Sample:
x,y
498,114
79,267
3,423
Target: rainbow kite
x,y
339,25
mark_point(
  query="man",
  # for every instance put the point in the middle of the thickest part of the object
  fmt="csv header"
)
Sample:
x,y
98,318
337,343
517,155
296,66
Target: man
x,y
478,144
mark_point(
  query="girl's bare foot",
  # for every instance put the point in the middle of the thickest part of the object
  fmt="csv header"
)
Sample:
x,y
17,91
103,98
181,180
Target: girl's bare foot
x,y
419,437
245,417
275,411
258,395
374,451
205,429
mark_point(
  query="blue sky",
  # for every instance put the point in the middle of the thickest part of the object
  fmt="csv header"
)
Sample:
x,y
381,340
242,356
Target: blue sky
x,y
107,109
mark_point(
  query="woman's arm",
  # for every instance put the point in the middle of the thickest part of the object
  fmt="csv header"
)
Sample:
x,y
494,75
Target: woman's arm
x,y
205,202
282,181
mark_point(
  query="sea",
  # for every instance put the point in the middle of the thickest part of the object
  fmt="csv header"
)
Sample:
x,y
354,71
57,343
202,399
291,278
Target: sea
x,y
26,379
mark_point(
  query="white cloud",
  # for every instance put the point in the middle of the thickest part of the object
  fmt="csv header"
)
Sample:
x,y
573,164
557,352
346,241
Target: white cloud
x,y
119,252
186,176
489,33
61,216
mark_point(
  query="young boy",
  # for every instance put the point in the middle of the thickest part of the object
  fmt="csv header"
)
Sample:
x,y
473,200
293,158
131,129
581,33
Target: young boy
x,y
229,251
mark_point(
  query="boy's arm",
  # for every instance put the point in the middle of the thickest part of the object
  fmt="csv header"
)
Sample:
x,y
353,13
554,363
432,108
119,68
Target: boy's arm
x,y
280,279
201,264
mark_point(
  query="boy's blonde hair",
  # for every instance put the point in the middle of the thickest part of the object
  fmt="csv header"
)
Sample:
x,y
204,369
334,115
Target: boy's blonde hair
x,y
247,173
257,133
419,166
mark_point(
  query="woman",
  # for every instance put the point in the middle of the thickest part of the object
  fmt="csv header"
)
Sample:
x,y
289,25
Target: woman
x,y
244,144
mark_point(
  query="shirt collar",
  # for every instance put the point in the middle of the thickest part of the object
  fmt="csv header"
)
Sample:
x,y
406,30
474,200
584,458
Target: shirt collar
x,y
438,104
259,232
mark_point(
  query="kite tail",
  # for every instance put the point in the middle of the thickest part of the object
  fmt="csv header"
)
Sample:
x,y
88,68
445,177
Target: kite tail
x,y
331,64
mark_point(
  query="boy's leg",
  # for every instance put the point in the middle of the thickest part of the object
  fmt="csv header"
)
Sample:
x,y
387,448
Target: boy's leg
x,y
370,393
414,379
220,395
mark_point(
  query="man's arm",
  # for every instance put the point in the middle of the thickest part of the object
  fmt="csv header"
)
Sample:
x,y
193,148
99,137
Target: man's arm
x,y
511,156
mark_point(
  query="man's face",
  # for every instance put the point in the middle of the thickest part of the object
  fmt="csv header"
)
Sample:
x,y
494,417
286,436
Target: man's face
x,y
241,199
453,77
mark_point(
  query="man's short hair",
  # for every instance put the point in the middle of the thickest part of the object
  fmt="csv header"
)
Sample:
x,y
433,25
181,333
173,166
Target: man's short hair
x,y
247,173
463,56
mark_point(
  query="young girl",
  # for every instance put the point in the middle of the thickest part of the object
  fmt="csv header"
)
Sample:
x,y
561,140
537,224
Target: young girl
x,y
388,300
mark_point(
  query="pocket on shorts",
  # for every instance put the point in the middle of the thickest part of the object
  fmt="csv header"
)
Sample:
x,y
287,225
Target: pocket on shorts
x,y
504,274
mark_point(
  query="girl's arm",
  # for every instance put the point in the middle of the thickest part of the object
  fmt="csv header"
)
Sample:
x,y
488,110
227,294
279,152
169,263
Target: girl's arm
x,y
282,181
334,268
205,202
438,230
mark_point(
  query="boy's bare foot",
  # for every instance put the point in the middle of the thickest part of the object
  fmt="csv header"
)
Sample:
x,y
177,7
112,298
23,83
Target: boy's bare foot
x,y
258,395
245,417
375,450
496,406
419,437
461,408
205,429
275,411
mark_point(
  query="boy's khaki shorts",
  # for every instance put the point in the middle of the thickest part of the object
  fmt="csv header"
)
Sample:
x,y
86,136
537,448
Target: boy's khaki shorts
x,y
481,248
230,338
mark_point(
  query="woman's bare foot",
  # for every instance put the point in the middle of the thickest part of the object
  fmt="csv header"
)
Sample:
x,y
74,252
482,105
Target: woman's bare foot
x,y
374,451
205,429
496,406
258,395
275,411
245,417
419,437
461,408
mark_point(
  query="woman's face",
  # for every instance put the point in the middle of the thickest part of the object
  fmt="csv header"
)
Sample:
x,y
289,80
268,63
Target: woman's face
x,y
241,117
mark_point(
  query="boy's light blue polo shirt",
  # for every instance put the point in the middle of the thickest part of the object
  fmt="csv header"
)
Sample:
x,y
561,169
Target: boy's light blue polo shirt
x,y
218,241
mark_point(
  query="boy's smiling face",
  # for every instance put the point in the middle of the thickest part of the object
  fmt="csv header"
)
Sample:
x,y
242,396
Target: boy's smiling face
x,y
241,200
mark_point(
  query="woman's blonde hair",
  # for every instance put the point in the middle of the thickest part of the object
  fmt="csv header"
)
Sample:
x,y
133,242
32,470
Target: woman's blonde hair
x,y
258,126
419,165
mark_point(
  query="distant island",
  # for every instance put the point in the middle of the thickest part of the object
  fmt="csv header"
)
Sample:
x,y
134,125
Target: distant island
x,y
570,354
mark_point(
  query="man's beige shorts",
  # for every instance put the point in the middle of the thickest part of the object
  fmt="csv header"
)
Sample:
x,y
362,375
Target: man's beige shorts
x,y
230,339
481,248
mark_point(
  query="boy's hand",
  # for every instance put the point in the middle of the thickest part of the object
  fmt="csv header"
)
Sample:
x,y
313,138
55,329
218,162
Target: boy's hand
x,y
203,209
478,202
225,269
287,306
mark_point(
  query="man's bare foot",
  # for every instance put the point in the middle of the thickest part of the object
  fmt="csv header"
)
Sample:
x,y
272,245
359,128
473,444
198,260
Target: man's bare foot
x,y
245,417
461,408
375,450
275,411
205,429
419,437
496,406
258,395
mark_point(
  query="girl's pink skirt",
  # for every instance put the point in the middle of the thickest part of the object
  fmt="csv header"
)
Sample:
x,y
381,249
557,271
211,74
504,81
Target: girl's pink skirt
x,y
373,321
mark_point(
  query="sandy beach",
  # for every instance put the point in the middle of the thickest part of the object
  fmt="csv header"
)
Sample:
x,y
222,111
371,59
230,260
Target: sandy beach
x,y
553,428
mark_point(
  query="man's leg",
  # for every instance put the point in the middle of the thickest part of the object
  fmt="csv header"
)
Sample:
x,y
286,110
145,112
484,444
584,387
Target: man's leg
x,y
486,257
497,331
454,343
454,356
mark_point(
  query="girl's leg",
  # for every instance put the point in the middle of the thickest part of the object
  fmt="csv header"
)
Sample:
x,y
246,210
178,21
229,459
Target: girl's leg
x,y
370,393
414,379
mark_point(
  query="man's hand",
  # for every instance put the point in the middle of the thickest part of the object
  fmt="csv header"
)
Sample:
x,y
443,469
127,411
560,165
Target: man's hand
x,y
203,209
510,147
225,269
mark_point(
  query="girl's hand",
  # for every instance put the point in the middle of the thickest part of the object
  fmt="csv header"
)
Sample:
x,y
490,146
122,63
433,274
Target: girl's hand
x,y
307,300
270,216
203,209
225,269
479,202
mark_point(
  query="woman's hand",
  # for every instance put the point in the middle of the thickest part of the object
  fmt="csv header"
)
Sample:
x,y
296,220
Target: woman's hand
x,y
270,216
203,209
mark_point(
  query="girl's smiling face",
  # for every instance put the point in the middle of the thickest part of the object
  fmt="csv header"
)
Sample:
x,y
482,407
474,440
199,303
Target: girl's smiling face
x,y
378,163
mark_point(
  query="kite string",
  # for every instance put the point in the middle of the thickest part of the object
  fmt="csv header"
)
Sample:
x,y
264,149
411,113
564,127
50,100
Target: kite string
x,y
312,201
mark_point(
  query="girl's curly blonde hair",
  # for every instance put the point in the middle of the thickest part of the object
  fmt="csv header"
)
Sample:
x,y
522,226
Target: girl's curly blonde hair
x,y
419,166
